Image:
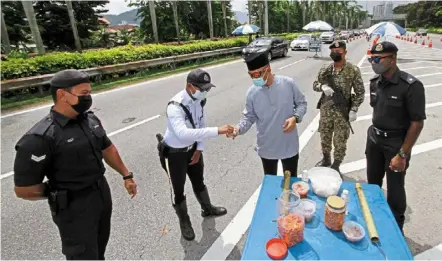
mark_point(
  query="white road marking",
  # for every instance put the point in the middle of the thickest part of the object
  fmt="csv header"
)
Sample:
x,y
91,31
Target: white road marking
x,y
425,86
409,69
418,149
2,176
434,253
429,105
290,64
415,76
124,88
231,235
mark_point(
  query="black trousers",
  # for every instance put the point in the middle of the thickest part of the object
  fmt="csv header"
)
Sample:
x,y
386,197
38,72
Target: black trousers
x,y
271,166
379,151
179,167
86,223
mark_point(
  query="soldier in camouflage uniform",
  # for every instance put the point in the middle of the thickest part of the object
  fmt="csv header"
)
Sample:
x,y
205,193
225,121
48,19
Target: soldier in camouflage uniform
x,y
338,106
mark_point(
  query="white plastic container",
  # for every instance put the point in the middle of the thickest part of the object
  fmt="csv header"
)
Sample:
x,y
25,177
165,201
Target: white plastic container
x,y
325,181
306,208
353,231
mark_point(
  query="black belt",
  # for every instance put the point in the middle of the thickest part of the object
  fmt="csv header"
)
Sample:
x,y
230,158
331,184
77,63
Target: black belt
x,y
389,134
177,150
84,191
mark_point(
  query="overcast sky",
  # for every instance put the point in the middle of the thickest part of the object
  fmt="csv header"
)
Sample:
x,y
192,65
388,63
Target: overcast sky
x,y
120,6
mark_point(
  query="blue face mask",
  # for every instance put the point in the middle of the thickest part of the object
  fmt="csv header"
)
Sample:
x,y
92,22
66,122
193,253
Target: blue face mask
x,y
259,81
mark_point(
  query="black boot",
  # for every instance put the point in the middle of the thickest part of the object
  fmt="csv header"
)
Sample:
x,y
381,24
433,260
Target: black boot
x,y
185,225
325,162
336,165
207,209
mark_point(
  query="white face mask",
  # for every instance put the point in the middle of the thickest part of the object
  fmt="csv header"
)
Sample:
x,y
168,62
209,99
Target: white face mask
x,y
199,95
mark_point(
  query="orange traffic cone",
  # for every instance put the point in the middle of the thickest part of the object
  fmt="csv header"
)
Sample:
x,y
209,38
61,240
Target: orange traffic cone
x,y
430,44
423,42
415,40
428,37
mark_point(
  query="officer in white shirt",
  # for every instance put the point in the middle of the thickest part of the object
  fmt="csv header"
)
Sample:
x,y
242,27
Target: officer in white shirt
x,y
181,148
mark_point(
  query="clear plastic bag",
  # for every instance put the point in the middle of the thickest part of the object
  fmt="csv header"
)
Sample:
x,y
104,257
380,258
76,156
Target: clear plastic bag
x,y
325,181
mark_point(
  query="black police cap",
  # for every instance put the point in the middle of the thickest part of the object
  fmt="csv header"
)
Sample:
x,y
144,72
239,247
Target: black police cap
x,y
68,78
256,60
200,79
338,44
384,47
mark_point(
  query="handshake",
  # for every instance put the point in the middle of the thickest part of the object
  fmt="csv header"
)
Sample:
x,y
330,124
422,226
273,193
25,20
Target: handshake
x,y
229,130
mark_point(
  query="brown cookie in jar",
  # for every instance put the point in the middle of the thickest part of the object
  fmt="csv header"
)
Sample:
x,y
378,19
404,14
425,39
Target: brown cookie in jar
x,y
334,213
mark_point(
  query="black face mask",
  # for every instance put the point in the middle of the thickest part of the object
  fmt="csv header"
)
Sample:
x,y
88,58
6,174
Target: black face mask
x,y
336,57
84,103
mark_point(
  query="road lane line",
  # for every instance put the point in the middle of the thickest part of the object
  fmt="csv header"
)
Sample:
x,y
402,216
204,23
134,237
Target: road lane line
x,y
415,76
237,227
425,86
2,176
434,253
125,87
418,149
290,64
429,105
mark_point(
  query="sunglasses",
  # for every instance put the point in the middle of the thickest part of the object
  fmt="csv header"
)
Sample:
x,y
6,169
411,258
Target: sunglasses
x,y
377,59
258,74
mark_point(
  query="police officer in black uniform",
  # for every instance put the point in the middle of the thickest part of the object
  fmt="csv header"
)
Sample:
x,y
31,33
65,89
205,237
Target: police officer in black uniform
x,y
181,148
398,101
67,147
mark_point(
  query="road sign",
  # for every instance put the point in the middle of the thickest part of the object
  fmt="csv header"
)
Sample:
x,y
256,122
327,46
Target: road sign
x,y
315,45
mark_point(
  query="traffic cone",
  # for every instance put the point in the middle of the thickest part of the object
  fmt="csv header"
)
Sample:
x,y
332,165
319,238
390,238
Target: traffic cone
x,y
423,42
441,39
415,40
428,37
430,44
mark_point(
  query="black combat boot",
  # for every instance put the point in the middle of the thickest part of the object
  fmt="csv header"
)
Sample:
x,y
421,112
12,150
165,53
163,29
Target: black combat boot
x,y
207,209
336,165
325,162
185,225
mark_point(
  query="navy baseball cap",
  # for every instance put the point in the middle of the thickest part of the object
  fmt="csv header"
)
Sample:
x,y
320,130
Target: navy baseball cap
x,y
200,79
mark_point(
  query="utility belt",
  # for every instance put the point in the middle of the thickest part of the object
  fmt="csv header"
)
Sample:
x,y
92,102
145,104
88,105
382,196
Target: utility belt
x,y
59,198
389,134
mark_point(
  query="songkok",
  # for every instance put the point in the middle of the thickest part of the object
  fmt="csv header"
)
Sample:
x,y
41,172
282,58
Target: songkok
x,y
256,60
68,78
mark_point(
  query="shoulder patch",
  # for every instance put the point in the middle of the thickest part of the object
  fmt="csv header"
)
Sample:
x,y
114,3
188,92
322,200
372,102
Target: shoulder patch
x,y
408,77
42,126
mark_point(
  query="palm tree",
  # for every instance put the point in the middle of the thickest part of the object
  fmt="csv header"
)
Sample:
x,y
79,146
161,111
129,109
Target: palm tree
x,y
223,7
175,18
209,15
153,17
73,24
30,15
5,36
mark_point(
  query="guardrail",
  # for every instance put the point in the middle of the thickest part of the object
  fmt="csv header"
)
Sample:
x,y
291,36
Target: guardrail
x,y
33,81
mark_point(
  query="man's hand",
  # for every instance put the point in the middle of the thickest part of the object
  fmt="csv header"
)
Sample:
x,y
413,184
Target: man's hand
x,y
289,124
328,91
226,129
352,116
233,134
131,187
195,157
397,164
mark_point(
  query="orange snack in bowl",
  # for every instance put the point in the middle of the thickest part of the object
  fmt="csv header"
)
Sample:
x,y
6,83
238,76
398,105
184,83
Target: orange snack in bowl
x,y
301,187
291,229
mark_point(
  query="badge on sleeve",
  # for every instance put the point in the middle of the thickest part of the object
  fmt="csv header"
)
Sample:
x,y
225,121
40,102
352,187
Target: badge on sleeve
x,y
38,159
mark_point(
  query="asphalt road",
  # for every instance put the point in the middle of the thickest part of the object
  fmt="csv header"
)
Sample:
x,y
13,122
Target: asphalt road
x,y
146,227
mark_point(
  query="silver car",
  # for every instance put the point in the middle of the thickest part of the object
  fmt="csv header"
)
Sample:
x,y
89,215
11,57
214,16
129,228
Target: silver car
x,y
328,37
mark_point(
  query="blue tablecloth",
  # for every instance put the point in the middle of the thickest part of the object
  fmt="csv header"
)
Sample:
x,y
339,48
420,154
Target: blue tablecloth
x,y
320,243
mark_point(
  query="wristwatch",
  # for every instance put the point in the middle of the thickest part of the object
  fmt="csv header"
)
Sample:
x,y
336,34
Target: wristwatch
x,y
297,118
130,176
402,154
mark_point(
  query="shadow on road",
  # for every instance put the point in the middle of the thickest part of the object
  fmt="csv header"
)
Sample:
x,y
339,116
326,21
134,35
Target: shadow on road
x,y
194,250
415,247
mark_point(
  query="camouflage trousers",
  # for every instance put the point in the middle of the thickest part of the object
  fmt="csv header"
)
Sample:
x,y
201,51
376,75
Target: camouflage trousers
x,y
332,126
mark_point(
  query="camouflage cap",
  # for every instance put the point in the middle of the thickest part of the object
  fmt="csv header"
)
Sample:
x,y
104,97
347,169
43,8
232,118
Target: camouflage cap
x,y
338,44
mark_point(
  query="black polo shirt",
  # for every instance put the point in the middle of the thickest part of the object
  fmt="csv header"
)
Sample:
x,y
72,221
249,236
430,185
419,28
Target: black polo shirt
x,y
397,101
67,151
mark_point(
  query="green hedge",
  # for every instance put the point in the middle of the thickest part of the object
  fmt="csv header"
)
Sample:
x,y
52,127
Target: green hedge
x,y
50,63
15,68
431,30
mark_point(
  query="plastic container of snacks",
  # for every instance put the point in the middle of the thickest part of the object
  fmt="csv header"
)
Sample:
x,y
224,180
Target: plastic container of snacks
x,y
334,213
302,188
353,231
307,208
290,224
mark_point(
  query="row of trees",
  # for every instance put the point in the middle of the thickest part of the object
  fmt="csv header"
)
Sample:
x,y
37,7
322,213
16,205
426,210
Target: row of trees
x,y
422,14
65,23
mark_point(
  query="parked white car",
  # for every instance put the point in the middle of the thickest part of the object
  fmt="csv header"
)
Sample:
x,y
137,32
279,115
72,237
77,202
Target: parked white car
x,y
301,43
328,37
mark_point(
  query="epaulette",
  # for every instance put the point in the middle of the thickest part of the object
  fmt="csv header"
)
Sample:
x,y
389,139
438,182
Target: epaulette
x,y
42,126
375,77
407,77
